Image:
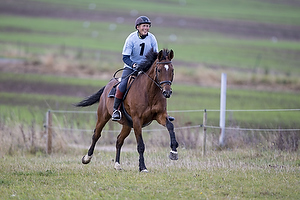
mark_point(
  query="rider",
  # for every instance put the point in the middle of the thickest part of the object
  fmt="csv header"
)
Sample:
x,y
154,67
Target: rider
x,y
136,46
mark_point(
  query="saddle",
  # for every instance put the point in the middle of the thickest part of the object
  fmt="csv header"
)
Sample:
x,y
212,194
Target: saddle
x,y
113,90
122,107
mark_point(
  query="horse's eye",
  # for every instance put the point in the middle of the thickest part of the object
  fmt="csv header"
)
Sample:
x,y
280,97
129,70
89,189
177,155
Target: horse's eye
x,y
158,70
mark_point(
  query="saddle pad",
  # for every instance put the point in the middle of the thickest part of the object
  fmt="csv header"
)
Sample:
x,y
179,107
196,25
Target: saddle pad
x,y
112,92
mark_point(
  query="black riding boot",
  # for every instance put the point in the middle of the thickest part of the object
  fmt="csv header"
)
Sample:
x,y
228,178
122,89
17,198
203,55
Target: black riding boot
x,y
116,116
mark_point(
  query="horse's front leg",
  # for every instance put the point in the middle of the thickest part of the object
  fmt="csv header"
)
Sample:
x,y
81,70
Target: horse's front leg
x,y
140,147
173,143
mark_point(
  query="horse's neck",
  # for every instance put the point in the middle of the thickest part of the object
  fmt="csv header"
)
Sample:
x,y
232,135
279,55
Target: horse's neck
x,y
150,80
146,82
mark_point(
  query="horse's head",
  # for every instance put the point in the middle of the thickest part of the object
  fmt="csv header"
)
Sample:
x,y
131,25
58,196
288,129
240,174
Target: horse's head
x,y
165,71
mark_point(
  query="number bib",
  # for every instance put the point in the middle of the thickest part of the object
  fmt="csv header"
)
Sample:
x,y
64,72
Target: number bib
x,y
137,48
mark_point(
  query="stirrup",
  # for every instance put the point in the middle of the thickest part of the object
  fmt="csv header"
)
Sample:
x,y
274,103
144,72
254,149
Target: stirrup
x,y
116,116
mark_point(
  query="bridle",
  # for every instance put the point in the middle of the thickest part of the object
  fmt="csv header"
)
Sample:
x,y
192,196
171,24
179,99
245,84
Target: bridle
x,y
156,81
156,77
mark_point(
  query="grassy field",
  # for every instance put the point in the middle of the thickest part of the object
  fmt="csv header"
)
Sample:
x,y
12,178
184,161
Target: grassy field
x,y
182,99
255,42
273,50
242,174
54,53
23,116
31,107
210,49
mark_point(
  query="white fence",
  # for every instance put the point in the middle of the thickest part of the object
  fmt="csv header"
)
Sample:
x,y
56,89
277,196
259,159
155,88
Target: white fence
x,y
50,127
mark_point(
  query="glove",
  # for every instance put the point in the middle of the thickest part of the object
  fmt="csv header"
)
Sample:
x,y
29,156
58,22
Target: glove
x,y
136,67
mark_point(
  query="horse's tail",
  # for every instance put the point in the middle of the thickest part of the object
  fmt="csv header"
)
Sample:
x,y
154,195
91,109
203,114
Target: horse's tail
x,y
94,98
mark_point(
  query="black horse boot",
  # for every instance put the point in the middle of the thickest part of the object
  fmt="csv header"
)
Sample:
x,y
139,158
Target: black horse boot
x,y
171,118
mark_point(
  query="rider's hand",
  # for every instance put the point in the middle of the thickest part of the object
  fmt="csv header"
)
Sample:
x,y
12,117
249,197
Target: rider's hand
x,y
136,67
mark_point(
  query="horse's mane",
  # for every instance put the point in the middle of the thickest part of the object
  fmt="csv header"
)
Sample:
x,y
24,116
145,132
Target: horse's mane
x,y
148,60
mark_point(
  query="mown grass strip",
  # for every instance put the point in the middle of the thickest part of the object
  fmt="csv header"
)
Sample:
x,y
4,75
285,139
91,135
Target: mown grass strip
x,y
261,11
51,79
242,174
185,97
200,47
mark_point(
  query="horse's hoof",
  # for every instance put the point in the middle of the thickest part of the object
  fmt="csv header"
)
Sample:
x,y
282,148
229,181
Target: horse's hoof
x,y
144,171
86,159
117,166
173,155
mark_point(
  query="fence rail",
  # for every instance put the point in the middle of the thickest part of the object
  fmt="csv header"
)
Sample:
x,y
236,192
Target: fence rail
x,y
186,111
49,126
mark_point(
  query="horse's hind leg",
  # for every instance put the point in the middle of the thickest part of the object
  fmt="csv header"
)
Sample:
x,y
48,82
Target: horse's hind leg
x,y
97,134
120,141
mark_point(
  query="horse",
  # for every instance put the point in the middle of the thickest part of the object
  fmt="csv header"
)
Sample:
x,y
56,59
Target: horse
x,y
145,101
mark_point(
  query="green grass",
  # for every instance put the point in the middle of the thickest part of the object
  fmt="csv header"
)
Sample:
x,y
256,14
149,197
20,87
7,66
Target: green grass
x,y
227,174
260,171
185,97
224,51
51,79
22,116
201,47
230,9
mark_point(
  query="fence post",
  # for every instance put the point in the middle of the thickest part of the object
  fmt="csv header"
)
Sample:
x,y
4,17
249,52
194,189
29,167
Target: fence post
x,y
204,133
49,132
223,109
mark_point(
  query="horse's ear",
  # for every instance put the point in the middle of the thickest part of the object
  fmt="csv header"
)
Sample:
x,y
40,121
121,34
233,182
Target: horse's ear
x,y
171,55
160,55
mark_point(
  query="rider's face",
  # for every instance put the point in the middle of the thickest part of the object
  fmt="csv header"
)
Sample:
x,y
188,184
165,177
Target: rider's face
x,y
143,28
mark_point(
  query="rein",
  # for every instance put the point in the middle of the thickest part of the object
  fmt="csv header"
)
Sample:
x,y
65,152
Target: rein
x,y
153,81
156,81
114,76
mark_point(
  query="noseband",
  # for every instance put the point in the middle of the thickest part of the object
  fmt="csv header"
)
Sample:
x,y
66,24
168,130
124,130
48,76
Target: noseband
x,y
156,77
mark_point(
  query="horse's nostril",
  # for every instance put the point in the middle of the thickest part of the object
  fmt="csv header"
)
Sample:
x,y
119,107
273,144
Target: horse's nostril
x,y
167,94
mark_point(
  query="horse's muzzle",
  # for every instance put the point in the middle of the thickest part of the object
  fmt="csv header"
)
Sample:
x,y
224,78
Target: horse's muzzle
x,y
167,93
166,88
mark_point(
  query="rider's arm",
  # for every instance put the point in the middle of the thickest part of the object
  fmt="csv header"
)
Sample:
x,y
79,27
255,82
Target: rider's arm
x,y
127,60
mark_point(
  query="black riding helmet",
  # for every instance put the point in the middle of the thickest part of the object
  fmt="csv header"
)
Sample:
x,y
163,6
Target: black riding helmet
x,y
142,20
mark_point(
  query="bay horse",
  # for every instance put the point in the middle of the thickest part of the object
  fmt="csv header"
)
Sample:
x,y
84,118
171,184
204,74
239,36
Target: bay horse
x,y
144,102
